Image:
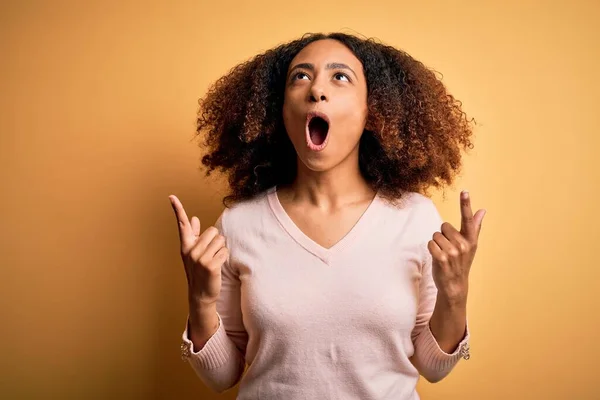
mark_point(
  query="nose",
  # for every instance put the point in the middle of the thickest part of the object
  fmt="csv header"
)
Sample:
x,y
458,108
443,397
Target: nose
x,y
317,94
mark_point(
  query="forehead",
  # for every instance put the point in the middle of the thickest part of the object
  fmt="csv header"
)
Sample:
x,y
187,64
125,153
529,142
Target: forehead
x,y
327,51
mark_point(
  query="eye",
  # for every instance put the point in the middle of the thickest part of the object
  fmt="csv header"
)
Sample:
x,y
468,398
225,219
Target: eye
x,y
300,75
342,77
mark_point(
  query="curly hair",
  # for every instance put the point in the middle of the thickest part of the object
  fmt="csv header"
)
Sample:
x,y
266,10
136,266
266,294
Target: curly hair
x,y
412,141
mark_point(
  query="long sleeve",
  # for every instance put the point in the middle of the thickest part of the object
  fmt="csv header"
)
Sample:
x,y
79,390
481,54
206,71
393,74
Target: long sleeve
x,y
220,363
430,360
299,314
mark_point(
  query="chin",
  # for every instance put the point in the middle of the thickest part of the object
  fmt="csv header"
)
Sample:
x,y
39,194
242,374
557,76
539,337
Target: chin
x,y
318,162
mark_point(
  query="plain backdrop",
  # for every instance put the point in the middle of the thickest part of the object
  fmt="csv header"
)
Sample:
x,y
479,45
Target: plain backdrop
x,y
98,101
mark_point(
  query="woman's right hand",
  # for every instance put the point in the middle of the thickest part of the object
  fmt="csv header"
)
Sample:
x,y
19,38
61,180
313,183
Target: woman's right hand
x,y
202,255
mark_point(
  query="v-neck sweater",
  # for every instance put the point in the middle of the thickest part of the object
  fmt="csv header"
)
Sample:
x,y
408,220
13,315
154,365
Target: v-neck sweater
x,y
346,322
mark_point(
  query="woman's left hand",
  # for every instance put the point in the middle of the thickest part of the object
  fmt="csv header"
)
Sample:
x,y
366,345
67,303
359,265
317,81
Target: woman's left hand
x,y
453,252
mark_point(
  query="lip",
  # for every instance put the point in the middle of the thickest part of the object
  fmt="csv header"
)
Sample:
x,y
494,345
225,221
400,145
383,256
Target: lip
x,y
309,143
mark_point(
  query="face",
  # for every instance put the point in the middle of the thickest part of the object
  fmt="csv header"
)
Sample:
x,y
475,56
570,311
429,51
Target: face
x,y
325,105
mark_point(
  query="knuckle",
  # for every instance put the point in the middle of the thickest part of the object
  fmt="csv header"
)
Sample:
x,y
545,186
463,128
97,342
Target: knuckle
x,y
186,247
453,252
211,267
212,230
209,233
215,267
194,254
205,260
220,258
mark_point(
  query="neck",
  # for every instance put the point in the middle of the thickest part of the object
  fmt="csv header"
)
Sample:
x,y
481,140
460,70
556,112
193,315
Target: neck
x,y
336,187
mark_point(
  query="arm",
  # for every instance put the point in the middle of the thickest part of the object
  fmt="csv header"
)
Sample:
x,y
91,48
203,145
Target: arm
x,y
214,341
441,332
438,347
448,322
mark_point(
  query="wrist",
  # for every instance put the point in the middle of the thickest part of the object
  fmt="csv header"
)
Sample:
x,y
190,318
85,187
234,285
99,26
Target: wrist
x,y
457,301
199,312
203,323
198,302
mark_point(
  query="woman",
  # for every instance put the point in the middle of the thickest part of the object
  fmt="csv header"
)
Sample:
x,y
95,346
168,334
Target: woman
x,y
330,273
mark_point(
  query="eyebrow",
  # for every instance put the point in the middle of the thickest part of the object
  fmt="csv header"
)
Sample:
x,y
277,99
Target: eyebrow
x,y
311,67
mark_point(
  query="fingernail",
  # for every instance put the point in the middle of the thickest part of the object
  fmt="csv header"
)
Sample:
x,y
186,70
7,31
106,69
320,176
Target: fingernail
x,y
465,194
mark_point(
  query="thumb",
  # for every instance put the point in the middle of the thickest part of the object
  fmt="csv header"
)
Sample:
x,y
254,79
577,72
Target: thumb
x,y
195,222
478,219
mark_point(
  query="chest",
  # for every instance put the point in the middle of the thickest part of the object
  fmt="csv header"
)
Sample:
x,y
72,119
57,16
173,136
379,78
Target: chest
x,y
357,293
326,228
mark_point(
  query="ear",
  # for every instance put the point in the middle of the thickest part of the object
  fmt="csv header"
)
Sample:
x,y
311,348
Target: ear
x,y
370,125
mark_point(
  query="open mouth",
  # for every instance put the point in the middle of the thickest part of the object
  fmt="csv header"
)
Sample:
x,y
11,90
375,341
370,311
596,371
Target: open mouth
x,y
317,131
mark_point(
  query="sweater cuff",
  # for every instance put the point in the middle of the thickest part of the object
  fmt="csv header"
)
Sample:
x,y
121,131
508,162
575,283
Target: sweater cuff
x,y
215,352
434,356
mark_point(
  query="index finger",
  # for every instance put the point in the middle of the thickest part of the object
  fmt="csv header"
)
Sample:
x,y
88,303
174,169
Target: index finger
x,y
183,223
466,213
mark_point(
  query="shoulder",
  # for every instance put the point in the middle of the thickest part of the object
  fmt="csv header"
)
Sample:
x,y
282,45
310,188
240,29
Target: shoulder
x,y
415,204
418,212
244,215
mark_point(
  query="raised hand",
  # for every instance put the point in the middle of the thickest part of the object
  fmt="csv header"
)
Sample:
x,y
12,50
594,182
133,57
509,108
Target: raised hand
x,y
202,255
453,252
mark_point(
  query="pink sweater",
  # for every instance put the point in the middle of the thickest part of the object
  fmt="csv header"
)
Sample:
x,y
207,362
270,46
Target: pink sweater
x,y
348,322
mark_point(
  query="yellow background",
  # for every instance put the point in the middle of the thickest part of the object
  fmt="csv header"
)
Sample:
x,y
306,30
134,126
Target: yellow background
x,y
97,113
